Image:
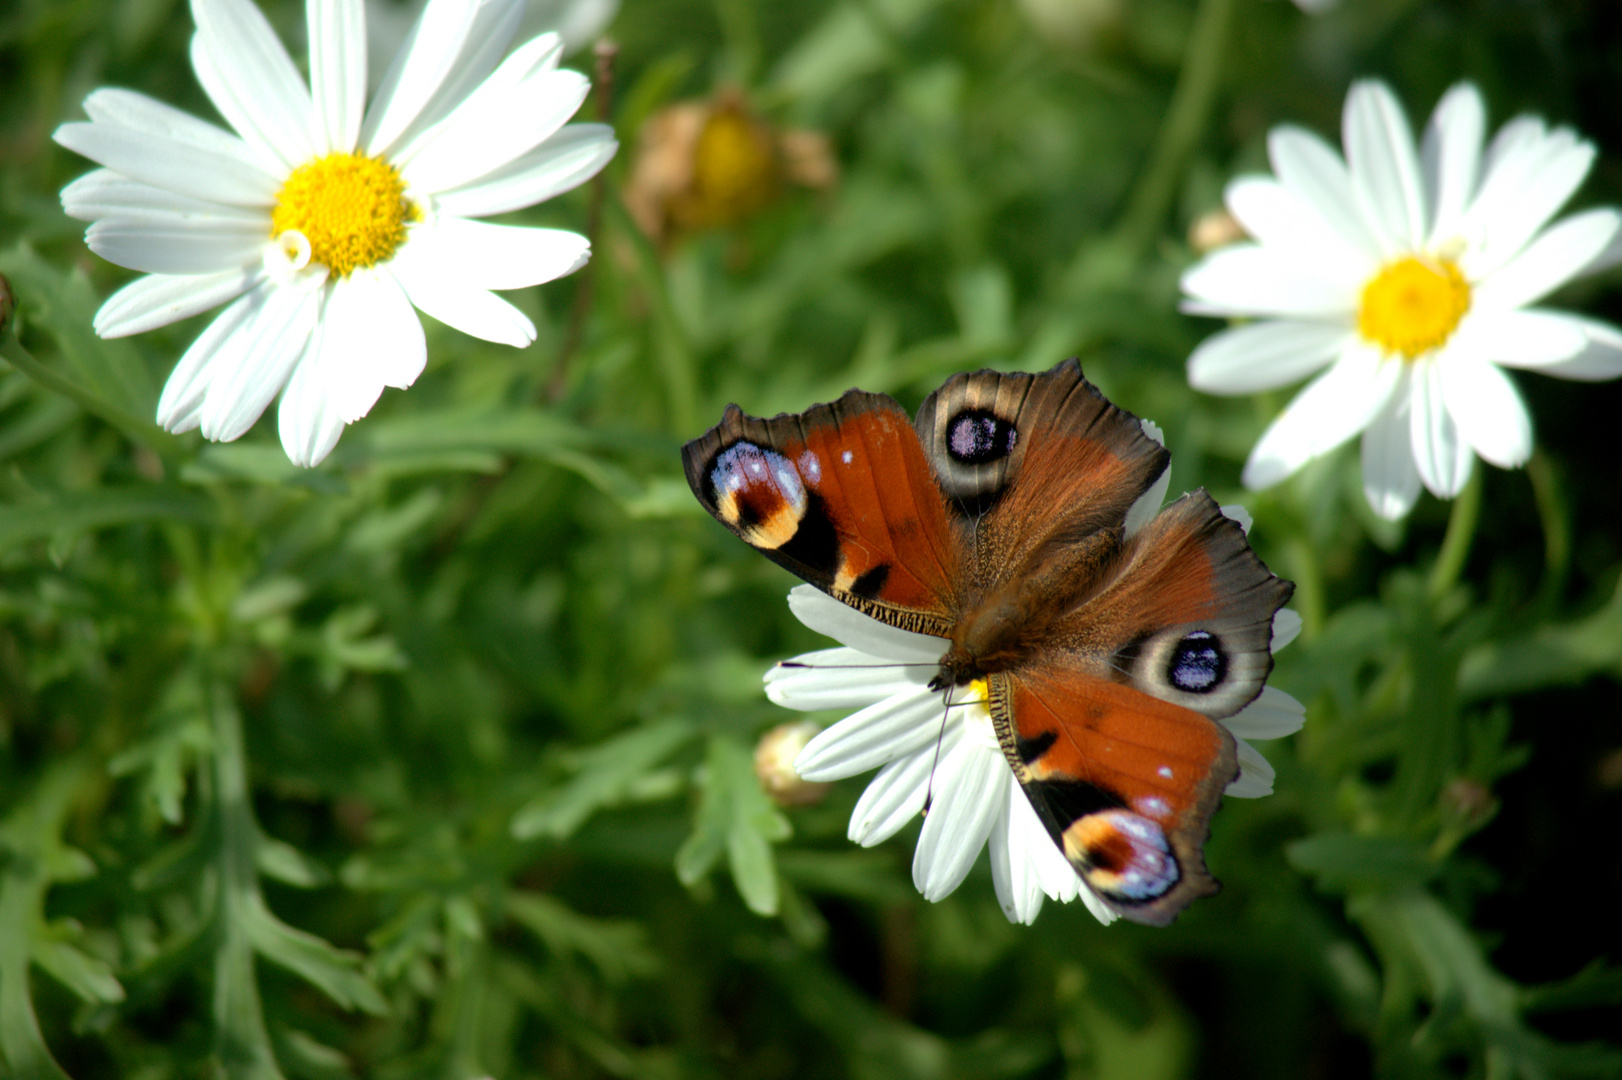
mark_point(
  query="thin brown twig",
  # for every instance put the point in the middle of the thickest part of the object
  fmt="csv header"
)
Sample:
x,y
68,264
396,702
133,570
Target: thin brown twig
x,y
606,51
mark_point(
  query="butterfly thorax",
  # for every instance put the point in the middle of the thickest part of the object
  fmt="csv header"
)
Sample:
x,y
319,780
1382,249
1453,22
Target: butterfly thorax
x,y
1000,627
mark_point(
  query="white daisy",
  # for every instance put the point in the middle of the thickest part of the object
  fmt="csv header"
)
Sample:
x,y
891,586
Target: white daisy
x,y
923,750
1408,272
324,222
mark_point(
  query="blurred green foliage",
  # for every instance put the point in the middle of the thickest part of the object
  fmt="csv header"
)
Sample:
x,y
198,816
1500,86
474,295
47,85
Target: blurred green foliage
x,y
435,760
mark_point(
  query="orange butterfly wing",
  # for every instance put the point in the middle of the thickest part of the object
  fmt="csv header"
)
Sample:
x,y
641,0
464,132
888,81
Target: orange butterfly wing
x,y
842,496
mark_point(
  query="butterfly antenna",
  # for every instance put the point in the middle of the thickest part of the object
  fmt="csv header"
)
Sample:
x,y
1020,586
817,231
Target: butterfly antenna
x,y
929,789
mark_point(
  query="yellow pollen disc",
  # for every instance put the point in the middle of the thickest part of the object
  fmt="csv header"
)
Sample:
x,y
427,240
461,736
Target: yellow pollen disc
x,y
1413,305
979,690
352,209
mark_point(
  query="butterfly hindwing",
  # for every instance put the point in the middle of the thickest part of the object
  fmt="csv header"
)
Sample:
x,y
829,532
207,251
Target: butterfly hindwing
x,y
1125,783
842,496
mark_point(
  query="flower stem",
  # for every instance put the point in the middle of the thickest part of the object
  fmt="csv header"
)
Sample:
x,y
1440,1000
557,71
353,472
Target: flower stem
x,y
1186,118
1556,529
144,431
606,52
1461,532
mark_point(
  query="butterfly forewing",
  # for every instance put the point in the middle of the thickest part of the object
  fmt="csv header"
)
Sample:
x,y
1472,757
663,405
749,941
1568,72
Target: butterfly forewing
x,y
842,496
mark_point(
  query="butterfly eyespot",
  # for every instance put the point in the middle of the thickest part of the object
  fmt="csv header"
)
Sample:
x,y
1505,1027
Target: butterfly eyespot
x,y
979,437
760,493
1197,664
1123,855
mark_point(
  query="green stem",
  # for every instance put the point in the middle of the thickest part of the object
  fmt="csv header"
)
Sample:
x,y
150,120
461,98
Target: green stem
x,y
1461,532
1186,119
1556,529
135,427
671,347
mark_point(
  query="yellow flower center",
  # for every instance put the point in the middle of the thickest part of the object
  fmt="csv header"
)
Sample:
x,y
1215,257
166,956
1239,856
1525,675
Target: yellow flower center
x,y
352,209
1413,305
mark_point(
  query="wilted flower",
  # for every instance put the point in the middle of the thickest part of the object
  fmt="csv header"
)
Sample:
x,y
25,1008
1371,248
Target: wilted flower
x,y
711,164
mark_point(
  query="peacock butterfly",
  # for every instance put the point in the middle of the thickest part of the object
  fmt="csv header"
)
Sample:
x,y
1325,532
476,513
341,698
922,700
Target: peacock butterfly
x,y
997,519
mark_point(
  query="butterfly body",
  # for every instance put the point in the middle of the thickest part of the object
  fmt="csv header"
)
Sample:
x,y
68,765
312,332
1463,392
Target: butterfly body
x,y
1106,640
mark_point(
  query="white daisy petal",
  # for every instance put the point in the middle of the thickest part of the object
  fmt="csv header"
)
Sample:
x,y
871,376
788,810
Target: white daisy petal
x,y
452,46
1286,628
1247,279
491,130
1273,715
1527,337
893,798
1390,478
307,419
105,193
1265,355
1142,511
370,322
841,679
1519,195
1256,775
1334,407
199,247
487,256
1554,258
1451,158
251,79
179,407
566,160
1310,167
274,341
1280,217
1028,837
971,785
112,107
337,71
1600,358
1441,453
883,731
437,291
1014,876
160,299
170,164
1238,515
1486,408
1384,169
827,616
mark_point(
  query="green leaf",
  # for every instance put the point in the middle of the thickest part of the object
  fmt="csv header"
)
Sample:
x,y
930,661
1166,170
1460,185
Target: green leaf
x,y
617,947
737,817
1564,655
1341,861
335,972
75,512
606,775
289,865
111,375
90,979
